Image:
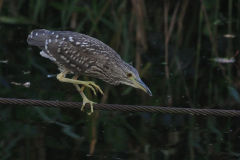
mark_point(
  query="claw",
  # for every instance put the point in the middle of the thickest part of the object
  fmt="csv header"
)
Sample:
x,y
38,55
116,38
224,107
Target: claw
x,y
91,88
76,82
85,100
97,87
90,113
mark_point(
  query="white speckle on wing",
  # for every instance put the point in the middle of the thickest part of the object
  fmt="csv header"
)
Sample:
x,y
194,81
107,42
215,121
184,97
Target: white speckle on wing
x,y
47,55
63,38
77,43
49,40
73,65
46,47
63,57
36,34
91,49
57,36
43,54
71,39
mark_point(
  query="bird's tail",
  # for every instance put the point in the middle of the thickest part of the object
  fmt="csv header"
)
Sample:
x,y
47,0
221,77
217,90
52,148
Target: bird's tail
x,y
38,37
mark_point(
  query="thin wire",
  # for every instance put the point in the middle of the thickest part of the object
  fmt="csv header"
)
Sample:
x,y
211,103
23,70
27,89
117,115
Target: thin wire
x,y
124,108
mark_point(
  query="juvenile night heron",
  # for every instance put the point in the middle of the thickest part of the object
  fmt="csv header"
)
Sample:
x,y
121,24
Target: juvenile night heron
x,y
76,53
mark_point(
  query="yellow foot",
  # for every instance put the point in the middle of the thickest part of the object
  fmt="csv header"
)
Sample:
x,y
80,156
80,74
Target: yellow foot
x,y
85,100
90,84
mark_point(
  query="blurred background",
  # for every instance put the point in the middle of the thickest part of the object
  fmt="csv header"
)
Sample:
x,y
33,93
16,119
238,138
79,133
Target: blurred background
x,y
174,44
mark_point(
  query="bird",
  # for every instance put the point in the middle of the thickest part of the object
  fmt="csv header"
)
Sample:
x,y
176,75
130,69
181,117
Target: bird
x,y
79,54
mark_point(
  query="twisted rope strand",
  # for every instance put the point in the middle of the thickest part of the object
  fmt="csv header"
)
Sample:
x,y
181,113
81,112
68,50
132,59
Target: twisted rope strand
x,y
124,108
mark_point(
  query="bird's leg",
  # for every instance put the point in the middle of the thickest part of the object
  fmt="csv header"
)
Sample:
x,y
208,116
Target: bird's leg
x,y
85,99
61,78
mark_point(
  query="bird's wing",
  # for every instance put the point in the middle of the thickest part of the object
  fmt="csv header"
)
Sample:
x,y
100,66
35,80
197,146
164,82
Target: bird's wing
x,y
87,44
72,50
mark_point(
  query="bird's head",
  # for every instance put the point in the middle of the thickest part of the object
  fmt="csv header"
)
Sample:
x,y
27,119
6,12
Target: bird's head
x,y
129,76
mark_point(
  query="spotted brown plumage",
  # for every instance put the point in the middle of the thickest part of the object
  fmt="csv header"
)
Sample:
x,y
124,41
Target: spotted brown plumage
x,y
79,54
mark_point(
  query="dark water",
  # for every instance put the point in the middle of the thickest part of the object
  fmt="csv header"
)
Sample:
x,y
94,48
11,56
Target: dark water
x,y
174,46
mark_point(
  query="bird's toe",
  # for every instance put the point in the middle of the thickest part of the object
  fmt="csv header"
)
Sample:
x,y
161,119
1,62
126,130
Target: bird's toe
x,y
92,89
85,100
97,87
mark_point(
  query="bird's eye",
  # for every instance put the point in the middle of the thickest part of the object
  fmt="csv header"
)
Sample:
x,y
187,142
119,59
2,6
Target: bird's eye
x,y
129,75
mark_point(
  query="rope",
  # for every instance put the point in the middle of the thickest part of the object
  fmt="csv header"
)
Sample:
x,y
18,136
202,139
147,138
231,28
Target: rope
x,y
124,108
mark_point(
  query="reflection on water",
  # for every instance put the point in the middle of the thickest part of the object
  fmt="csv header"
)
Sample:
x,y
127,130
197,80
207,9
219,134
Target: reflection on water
x,y
185,52
165,137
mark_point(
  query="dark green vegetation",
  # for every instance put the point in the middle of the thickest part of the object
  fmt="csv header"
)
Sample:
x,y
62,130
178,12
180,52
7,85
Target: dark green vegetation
x,y
169,42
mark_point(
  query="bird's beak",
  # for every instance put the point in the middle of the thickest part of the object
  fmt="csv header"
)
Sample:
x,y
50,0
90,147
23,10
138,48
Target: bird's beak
x,y
138,83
